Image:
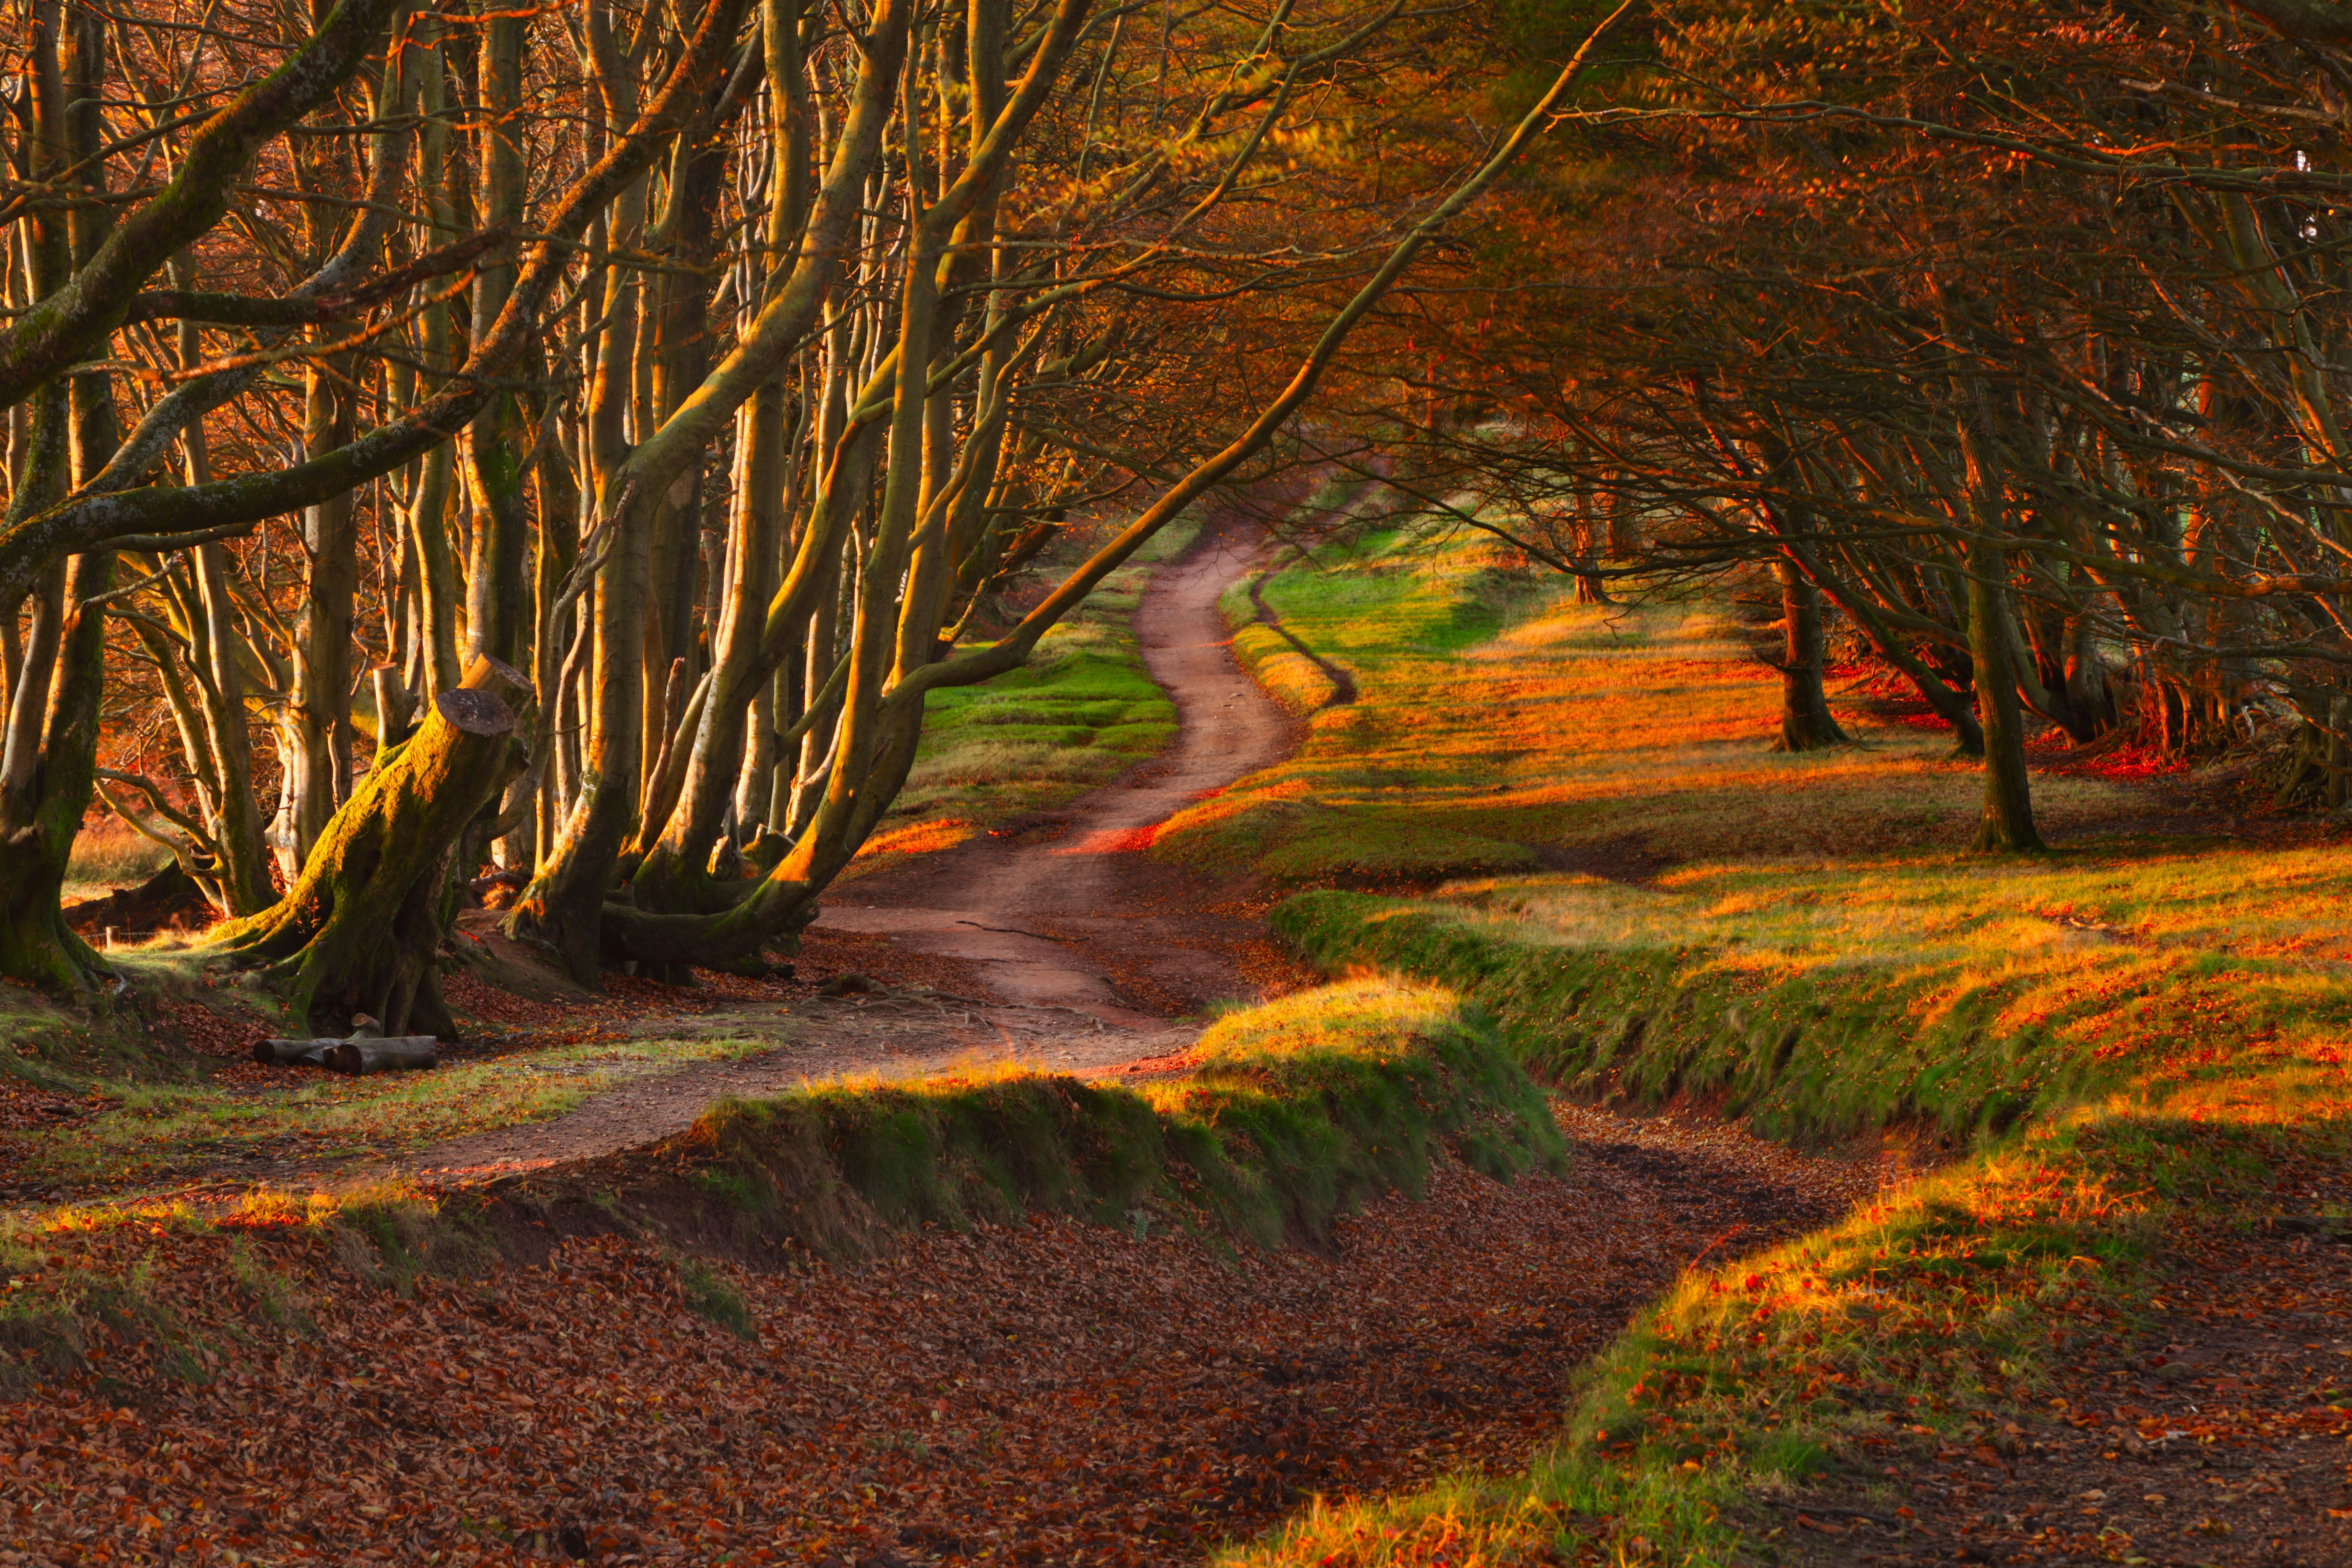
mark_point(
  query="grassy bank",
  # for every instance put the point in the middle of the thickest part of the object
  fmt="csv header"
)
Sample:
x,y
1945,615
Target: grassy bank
x,y
1928,1322
1821,999
1290,1116
2158,1074
2119,1044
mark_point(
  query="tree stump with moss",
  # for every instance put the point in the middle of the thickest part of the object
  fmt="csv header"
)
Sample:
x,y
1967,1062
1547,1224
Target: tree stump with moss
x,y
361,930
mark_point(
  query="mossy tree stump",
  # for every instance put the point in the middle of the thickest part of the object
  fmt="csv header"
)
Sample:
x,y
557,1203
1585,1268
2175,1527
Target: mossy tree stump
x,y
361,928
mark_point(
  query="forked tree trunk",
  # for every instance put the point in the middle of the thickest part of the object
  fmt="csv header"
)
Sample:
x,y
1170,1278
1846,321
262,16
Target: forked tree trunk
x,y
361,930
1806,722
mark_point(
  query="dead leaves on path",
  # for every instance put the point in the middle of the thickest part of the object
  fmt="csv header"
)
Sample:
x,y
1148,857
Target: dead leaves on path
x,y
1051,1392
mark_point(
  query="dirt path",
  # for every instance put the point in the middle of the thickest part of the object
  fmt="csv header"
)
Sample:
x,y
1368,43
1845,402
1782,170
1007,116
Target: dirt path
x,y
1083,952
1072,914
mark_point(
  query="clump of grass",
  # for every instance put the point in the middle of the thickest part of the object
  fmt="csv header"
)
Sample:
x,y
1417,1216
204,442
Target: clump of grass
x,y
709,1294
272,1292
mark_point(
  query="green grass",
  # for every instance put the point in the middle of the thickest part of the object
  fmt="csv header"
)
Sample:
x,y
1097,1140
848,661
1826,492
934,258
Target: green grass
x,y
153,1132
1078,714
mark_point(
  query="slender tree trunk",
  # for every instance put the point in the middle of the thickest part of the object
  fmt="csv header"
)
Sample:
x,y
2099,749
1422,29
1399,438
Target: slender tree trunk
x,y
498,613
563,905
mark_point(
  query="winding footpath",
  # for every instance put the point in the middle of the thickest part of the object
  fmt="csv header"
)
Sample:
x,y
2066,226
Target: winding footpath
x,y
1074,916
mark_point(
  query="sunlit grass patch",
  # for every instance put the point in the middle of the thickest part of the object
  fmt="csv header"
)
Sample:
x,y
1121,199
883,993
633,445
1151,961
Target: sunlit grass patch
x,y
1294,1113
920,837
1492,711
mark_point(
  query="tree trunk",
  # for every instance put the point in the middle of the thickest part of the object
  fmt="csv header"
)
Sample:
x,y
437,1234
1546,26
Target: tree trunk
x,y
318,721
361,930
42,802
1806,722
2006,825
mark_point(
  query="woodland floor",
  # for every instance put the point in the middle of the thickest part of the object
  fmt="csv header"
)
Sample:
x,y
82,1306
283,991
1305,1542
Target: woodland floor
x,y
1048,1391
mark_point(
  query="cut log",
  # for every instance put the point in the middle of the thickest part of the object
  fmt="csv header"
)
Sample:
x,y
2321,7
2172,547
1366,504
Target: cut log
x,y
354,1057
406,1053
